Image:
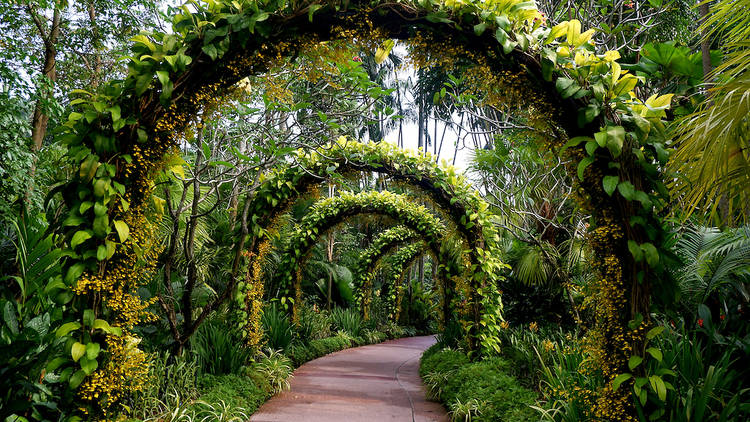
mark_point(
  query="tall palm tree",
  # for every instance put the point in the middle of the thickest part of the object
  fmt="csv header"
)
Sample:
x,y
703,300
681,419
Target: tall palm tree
x,y
713,143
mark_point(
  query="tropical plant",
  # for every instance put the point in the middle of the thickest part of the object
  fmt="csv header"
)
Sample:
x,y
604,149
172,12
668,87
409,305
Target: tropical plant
x,y
713,143
219,412
173,380
347,320
277,368
715,268
313,324
218,349
465,411
277,328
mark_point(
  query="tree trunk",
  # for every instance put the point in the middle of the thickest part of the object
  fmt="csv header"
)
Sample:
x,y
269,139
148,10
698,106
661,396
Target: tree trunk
x,y
39,120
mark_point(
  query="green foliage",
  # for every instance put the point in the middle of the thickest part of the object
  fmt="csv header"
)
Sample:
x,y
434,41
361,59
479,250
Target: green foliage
x,y
277,328
300,354
173,380
313,324
218,349
479,391
714,268
32,346
348,320
239,391
712,157
276,368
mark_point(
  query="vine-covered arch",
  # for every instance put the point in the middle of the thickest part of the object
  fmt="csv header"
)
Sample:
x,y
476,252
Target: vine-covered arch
x,y
369,259
442,186
400,263
329,212
117,139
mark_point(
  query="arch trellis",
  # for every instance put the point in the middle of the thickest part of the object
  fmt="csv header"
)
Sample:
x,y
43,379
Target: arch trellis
x,y
448,191
118,136
328,212
364,272
400,262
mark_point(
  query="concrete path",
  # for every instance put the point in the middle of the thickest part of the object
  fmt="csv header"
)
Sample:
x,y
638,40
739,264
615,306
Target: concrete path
x,y
372,383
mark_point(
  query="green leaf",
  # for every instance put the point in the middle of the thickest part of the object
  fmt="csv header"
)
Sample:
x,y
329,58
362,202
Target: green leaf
x,y
92,350
77,351
583,164
101,253
610,184
619,380
88,317
123,231
480,28
654,332
79,237
76,379
634,361
657,384
101,226
651,254
9,316
66,328
635,250
615,139
312,9
655,353
574,142
566,87
626,189
88,365
210,50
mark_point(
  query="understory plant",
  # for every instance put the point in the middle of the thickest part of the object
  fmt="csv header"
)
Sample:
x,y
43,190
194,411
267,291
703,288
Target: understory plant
x,y
313,324
276,368
277,328
476,391
347,320
219,350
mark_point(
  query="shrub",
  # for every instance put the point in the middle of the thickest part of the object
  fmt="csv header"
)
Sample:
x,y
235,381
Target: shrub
x,y
171,383
313,324
277,328
238,391
478,391
218,350
276,368
347,320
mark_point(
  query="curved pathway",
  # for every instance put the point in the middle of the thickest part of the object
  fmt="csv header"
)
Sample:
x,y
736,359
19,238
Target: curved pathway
x,y
379,382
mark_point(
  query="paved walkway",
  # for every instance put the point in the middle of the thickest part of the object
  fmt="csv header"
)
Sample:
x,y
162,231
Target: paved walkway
x,y
372,383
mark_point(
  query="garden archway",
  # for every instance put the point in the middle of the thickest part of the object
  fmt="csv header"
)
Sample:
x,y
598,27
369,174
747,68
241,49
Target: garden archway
x,y
329,212
118,137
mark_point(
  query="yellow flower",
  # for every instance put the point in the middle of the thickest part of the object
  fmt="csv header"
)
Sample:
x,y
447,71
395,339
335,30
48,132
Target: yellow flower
x,y
505,325
534,327
548,345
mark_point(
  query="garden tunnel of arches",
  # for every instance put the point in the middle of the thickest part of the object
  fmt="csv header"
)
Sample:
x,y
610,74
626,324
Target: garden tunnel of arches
x,y
418,226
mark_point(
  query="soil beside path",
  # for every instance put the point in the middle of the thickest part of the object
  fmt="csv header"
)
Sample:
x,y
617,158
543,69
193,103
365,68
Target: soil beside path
x,y
372,383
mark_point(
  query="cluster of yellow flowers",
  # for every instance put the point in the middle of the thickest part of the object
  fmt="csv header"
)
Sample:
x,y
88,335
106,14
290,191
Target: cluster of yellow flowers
x,y
125,372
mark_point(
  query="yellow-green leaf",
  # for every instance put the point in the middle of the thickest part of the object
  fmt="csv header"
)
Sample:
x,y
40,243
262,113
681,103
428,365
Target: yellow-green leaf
x,y
123,231
77,350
